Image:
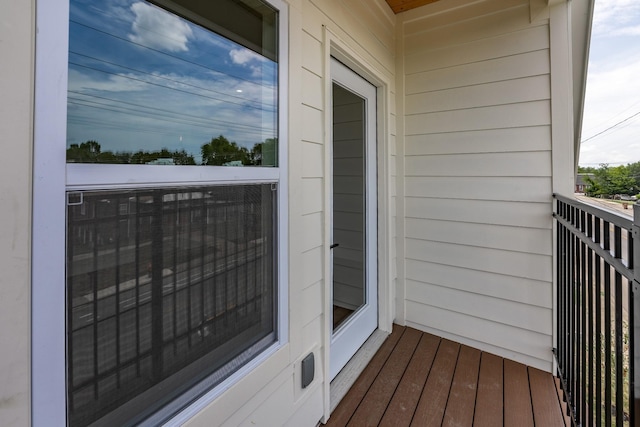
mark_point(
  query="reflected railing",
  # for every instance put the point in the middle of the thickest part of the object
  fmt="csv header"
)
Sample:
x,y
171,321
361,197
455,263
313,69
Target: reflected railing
x,y
165,287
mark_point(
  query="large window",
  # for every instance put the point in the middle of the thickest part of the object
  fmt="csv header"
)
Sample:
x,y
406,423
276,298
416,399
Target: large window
x,y
166,288
147,86
174,188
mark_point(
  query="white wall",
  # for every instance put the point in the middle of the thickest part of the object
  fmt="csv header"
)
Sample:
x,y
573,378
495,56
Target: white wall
x,y
16,106
475,151
271,394
366,29
477,164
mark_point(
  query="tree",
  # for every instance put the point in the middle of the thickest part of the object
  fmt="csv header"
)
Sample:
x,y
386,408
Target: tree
x,y
609,181
90,152
264,153
220,151
87,152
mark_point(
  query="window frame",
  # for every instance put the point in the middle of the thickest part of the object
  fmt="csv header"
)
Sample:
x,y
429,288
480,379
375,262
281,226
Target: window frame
x,y
53,177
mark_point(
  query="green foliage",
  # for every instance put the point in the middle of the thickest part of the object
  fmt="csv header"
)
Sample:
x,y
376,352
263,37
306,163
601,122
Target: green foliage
x,y
90,152
608,181
586,169
265,153
219,151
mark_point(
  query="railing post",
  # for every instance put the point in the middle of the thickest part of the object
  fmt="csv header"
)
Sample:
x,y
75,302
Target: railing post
x,y
634,400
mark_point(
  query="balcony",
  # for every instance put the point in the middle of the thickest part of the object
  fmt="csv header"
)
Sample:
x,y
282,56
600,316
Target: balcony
x,y
419,379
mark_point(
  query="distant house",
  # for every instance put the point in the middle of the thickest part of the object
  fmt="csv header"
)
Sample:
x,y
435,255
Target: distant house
x,y
581,182
410,159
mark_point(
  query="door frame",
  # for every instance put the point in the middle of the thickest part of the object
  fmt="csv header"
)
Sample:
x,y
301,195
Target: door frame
x,y
354,331
335,46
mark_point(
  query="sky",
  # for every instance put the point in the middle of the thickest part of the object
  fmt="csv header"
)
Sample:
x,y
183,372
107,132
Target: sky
x,y
611,121
143,79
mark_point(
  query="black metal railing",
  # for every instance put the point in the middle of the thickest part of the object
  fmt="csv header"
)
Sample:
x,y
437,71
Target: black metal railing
x,y
165,287
597,314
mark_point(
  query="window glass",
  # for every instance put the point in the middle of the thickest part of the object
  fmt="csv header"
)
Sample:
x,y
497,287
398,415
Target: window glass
x,y
194,86
167,290
171,288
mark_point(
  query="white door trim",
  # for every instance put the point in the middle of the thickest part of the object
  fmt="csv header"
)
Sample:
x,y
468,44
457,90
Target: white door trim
x,y
348,338
334,44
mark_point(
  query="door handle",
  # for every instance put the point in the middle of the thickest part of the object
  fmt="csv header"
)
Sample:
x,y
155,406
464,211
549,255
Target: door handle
x,y
335,245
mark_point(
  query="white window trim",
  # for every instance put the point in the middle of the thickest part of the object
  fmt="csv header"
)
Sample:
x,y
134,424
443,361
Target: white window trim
x,y
52,177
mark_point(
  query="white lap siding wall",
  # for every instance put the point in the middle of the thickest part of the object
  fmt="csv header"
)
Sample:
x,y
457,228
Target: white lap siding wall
x,y
477,176
272,394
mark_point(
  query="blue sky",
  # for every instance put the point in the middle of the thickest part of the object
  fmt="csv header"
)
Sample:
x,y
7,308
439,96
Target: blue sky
x,y
611,125
143,79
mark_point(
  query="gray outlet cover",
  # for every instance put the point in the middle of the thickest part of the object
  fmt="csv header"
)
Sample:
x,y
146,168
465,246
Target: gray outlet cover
x,y
308,369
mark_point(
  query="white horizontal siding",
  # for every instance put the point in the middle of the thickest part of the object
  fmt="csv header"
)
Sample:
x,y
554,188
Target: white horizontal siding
x,y
311,233
310,303
536,138
507,19
510,263
313,92
508,341
510,164
490,212
312,195
367,28
524,316
518,189
358,22
516,239
448,16
477,176
490,117
499,93
312,124
312,266
497,285
492,70
312,54
312,160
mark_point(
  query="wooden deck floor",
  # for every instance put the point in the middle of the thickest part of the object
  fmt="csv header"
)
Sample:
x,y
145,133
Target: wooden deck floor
x,y
418,379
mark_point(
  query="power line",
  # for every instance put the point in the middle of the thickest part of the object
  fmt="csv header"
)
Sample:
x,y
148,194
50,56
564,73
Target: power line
x,y
164,53
621,113
611,127
173,114
226,95
164,87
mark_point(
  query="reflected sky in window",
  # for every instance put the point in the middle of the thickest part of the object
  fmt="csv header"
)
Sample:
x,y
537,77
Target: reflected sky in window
x,y
143,79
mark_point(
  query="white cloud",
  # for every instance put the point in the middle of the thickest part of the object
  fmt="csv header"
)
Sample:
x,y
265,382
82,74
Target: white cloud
x,y
81,82
243,56
613,87
247,58
158,29
616,17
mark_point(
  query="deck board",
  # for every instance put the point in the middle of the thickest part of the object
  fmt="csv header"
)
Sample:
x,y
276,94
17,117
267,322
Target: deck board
x,y
462,398
544,400
371,409
517,396
404,402
431,406
419,379
343,412
490,392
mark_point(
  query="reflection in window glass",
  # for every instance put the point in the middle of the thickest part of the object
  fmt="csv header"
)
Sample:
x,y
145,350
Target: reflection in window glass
x,y
168,290
147,86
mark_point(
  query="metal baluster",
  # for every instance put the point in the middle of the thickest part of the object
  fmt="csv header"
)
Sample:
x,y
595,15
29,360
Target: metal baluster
x,y
634,319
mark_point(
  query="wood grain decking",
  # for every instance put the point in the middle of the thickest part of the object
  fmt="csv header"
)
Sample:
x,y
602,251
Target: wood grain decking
x,y
418,379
